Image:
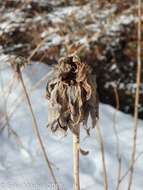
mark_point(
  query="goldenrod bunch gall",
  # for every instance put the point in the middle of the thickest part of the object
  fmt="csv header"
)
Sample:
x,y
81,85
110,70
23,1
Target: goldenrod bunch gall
x,y
71,94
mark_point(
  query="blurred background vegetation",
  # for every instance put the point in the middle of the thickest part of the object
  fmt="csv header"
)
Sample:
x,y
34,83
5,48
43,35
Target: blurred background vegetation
x,y
102,33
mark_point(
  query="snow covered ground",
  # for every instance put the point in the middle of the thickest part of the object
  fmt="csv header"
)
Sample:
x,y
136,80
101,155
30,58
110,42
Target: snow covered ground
x,y
22,166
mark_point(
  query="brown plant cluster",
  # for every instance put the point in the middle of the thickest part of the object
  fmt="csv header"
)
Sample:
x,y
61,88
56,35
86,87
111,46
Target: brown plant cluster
x,y
72,95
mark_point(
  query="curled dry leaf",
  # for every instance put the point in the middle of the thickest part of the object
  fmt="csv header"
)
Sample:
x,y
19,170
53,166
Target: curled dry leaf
x,y
84,152
72,96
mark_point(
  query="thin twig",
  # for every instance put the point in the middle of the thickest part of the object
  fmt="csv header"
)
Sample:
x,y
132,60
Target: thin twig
x,y
103,157
36,130
36,49
19,101
137,95
117,137
129,169
19,142
5,105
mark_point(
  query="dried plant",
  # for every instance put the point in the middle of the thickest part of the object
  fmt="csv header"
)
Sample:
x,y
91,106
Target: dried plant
x,y
72,96
137,94
17,63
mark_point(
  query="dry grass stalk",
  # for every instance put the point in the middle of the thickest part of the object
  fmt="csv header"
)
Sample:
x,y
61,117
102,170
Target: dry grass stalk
x,y
129,169
18,101
17,64
137,95
117,137
72,97
99,135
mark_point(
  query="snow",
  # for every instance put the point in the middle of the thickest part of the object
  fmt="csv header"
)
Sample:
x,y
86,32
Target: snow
x,y
72,24
22,166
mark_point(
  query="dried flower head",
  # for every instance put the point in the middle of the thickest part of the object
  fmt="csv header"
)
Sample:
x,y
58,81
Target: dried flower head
x,y
71,94
17,63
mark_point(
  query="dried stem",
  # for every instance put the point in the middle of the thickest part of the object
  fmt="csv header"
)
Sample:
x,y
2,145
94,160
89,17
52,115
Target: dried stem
x,y
117,137
103,157
129,169
5,105
76,151
35,50
137,94
36,130
19,142
19,101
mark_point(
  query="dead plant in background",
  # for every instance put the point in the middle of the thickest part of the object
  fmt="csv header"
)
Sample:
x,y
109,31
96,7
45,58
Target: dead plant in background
x,y
137,94
72,97
17,63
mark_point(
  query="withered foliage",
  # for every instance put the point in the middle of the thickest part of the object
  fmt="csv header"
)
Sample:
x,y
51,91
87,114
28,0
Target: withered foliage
x,y
72,95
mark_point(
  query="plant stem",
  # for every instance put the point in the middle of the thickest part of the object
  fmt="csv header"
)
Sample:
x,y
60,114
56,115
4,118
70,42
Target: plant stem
x,y
36,131
117,137
137,95
102,156
76,150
